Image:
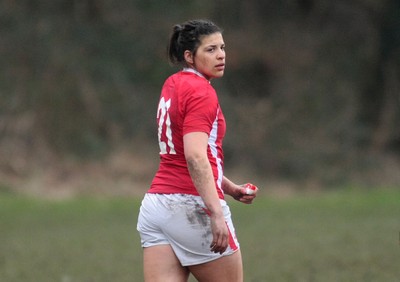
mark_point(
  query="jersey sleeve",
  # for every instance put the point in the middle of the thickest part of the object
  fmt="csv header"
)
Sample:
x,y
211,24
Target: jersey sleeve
x,y
200,111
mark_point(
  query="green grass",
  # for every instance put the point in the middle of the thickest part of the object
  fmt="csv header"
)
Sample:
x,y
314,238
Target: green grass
x,y
76,240
341,236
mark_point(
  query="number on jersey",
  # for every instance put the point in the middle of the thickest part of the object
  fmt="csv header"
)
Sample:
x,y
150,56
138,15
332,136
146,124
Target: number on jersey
x,y
165,122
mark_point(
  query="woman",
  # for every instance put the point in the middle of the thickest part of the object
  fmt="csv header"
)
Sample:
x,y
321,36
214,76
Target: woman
x,y
184,222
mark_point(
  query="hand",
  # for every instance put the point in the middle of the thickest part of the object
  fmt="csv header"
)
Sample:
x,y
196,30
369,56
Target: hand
x,y
242,194
220,233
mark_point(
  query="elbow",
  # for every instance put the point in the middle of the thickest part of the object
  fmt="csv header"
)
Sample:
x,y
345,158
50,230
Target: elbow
x,y
196,162
193,160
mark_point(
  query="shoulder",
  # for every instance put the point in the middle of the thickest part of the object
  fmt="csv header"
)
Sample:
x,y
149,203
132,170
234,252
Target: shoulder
x,y
190,86
196,84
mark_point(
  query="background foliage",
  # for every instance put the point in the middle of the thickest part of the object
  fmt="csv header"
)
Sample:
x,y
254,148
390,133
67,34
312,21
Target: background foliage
x,y
311,91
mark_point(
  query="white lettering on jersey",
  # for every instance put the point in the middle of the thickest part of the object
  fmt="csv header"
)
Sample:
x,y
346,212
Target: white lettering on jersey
x,y
163,116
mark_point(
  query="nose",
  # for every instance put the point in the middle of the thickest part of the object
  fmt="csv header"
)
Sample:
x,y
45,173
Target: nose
x,y
221,54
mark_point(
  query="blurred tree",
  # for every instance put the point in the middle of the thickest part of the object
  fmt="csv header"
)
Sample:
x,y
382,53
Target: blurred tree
x,y
383,105
311,88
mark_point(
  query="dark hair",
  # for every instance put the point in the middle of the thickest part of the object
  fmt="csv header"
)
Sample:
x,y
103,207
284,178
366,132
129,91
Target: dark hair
x,y
187,36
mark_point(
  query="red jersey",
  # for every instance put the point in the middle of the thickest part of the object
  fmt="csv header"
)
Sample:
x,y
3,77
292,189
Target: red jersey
x,y
188,103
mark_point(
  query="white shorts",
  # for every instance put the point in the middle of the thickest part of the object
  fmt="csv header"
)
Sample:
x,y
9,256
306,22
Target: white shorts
x,y
181,221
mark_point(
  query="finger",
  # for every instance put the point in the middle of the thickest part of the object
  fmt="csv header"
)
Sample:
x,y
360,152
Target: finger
x,y
219,248
213,247
220,244
246,202
215,244
247,199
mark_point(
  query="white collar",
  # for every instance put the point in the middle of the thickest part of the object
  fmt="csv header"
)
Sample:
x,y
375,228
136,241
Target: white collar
x,y
194,71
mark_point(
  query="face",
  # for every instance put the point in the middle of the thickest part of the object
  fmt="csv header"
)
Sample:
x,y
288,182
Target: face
x,y
209,58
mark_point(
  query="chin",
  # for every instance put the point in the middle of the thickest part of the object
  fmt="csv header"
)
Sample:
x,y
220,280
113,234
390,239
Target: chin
x,y
219,74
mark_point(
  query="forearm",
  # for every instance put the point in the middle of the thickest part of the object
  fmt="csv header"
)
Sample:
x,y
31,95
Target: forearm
x,y
203,179
228,186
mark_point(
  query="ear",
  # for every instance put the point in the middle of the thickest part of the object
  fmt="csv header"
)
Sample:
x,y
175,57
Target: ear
x,y
188,57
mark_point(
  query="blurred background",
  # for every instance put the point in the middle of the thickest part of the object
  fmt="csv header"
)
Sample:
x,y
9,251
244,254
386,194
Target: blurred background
x,y
311,92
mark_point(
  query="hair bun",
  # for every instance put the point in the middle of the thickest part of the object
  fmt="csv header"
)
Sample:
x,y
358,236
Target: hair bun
x,y
178,28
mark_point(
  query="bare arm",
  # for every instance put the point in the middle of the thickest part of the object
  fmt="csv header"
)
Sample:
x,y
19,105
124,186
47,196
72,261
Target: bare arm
x,y
195,147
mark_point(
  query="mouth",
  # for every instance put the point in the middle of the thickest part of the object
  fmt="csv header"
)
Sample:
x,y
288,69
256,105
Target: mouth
x,y
220,67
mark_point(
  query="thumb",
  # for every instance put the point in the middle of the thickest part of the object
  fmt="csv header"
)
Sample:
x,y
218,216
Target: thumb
x,y
243,190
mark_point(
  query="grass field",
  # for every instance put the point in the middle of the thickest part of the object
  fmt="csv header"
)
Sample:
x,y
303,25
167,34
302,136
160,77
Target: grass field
x,y
341,236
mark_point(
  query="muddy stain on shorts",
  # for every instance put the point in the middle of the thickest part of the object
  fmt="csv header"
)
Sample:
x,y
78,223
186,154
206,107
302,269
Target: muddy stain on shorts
x,y
198,217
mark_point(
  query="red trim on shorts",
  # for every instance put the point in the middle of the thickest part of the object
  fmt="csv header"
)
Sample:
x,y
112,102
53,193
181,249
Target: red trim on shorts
x,y
232,243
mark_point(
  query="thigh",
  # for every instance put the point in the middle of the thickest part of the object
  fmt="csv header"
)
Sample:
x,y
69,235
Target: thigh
x,y
160,264
225,269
